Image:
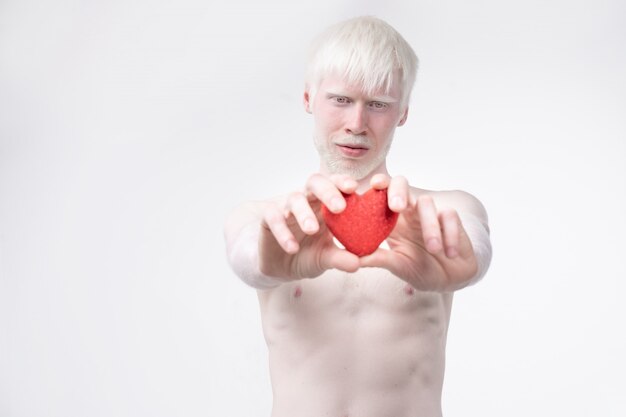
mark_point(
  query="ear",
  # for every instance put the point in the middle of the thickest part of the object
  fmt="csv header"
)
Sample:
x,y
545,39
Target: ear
x,y
404,116
306,100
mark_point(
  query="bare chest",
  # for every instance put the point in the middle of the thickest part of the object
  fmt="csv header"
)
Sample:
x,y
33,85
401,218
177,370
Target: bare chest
x,y
372,302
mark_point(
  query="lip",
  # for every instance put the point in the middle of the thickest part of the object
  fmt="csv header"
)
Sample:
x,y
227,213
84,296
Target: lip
x,y
352,151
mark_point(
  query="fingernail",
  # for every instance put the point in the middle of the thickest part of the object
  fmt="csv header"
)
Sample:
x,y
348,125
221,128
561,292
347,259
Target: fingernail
x,y
452,253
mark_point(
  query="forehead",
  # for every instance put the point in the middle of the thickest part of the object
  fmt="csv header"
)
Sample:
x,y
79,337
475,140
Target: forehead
x,y
334,84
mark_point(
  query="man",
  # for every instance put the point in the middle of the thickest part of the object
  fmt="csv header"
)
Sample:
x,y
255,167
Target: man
x,y
348,335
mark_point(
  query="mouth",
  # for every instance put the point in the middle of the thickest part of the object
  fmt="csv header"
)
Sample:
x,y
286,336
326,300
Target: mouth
x,y
352,151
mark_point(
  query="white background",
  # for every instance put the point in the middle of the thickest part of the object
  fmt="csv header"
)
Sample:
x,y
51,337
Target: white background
x,y
128,130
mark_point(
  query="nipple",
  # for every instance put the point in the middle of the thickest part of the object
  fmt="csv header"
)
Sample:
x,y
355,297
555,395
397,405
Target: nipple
x,y
408,290
297,292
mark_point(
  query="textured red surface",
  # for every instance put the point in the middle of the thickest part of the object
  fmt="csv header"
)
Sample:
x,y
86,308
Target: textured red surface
x,y
364,224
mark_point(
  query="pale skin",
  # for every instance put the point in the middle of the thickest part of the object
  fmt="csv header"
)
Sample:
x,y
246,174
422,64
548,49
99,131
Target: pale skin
x,y
350,336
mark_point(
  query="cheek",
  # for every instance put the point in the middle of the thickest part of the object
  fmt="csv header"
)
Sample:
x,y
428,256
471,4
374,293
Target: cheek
x,y
384,125
327,120
392,119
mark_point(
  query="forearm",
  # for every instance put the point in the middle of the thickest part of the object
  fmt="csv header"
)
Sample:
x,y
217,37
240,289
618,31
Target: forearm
x,y
478,232
242,247
467,269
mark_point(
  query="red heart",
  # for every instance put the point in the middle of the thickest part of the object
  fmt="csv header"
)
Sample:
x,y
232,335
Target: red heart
x,y
365,222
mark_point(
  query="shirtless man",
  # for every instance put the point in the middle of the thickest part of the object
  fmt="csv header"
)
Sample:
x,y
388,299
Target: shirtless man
x,y
347,335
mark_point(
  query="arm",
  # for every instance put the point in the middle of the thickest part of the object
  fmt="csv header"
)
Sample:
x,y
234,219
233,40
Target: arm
x,y
475,222
441,241
241,234
281,240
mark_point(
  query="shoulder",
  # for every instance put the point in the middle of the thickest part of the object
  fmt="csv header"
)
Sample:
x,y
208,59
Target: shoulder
x,y
461,201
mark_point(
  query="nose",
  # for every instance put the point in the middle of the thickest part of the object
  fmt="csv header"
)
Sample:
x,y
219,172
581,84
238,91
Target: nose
x,y
356,123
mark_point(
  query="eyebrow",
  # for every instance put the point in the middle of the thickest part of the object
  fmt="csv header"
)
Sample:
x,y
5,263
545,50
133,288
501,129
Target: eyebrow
x,y
385,99
382,98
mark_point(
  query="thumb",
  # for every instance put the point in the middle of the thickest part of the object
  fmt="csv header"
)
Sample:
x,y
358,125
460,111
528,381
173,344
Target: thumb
x,y
340,259
379,258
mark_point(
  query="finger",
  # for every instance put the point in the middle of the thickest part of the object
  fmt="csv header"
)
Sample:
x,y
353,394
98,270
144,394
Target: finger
x,y
298,205
398,194
323,189
336,258
380,258
431,230
380,181
275,221
450,224
465,244
344,183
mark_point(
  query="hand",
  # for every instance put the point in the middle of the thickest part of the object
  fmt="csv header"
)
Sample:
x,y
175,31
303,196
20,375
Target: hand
x,y
294,242
429,248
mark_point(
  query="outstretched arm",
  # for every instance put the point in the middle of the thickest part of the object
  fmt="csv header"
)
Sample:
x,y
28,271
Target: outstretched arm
x,y
241,233
284,239
441,241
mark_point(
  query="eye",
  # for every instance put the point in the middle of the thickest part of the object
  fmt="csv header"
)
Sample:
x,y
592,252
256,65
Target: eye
x,y
341,100
378,105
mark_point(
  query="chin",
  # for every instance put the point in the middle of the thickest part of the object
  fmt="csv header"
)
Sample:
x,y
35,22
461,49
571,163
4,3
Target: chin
x,y
355,170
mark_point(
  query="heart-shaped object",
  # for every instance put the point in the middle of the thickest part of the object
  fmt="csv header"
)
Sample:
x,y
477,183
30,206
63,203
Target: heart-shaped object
x,y
365,222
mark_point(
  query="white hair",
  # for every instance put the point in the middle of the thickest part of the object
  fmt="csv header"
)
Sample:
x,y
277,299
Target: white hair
x,y
365,51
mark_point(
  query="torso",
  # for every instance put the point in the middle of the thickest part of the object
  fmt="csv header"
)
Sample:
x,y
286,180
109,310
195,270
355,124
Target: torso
x,y
357,345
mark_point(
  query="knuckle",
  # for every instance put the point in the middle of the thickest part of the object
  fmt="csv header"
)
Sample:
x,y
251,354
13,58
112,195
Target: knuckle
x,y
448,214
313,184
423,198
272,215
293,196
296,201
400,179
329,195
299,204
337,178
313,179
